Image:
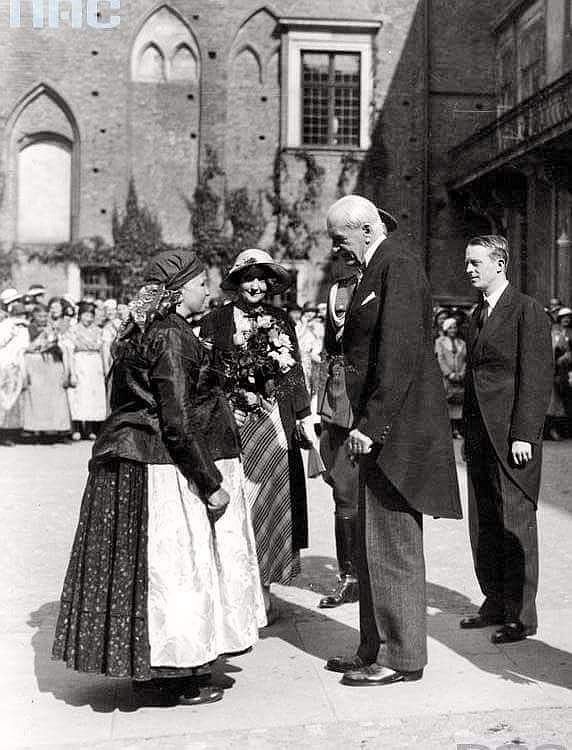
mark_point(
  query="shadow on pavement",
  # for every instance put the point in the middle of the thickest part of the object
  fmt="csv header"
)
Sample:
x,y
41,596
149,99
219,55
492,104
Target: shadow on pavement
x,y
103,694
533,659
317,633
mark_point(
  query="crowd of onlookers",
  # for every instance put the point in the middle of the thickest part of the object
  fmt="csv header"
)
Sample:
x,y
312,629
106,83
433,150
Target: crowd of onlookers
x,y
55,355
450,328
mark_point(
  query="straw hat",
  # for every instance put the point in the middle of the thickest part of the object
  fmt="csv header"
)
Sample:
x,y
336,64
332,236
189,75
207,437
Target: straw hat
x,y
253,257
36,290
10,295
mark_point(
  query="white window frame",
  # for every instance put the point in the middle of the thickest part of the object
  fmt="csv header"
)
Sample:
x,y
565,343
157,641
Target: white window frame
x,y
296,42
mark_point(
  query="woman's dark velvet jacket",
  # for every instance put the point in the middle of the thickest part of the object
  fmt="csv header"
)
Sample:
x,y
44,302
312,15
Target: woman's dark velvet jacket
x,y
165,407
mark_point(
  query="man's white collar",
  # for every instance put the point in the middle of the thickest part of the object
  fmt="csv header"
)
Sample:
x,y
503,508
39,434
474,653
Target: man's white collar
x,y
494,297
371,250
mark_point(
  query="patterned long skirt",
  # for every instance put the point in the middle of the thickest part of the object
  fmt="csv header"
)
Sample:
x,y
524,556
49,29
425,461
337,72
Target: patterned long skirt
x,y
153,588
267,489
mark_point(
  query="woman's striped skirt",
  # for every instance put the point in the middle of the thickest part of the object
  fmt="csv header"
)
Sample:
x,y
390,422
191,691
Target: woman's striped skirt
x,y
267,489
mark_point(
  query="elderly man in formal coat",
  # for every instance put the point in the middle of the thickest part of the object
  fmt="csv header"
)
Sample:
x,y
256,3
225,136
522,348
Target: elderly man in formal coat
x,y
507,390
401,437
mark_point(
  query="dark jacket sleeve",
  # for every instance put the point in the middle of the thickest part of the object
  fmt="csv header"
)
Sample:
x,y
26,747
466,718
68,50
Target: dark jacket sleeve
x,y
534,374
172,378
398,347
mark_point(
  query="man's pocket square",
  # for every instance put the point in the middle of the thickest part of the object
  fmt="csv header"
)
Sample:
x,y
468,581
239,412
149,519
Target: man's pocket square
x,y
369,298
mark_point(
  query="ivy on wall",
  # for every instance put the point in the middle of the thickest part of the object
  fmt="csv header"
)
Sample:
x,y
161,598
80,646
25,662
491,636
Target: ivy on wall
x,y
222,222
8,259
296,236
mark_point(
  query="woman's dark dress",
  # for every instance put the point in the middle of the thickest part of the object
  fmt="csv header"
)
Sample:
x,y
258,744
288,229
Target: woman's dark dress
x,y
158,417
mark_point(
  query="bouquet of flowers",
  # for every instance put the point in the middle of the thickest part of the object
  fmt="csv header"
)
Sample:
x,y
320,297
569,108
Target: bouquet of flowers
x,y
257,366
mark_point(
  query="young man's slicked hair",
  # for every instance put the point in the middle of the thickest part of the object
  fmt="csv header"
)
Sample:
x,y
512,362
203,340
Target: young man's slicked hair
x,y
497,245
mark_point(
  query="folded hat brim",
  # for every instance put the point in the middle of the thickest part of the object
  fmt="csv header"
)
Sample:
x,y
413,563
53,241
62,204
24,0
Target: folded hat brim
x,y
388,219
281,281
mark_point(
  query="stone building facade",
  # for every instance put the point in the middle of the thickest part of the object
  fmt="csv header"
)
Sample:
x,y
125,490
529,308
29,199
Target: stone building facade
x,y
297,103
514,172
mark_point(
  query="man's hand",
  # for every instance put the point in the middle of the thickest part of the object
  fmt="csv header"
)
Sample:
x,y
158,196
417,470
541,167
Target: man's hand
x,y
521,452
358,444
217,503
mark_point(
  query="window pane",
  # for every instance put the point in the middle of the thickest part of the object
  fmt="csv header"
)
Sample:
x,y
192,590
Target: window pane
x,y
346,67
315,83
346,128
331,99
315,66
44,193
347,117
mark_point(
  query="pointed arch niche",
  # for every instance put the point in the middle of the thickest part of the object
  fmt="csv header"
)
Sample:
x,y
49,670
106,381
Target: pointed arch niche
x,y
253,97
168,38
164,108
151,67
42,204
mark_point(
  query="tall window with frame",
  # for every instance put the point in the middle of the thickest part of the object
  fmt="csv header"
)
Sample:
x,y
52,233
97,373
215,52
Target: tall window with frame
x,y
531,58
331,98
506,77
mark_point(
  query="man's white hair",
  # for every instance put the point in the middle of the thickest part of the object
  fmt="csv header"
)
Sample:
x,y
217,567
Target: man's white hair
x,y
354,211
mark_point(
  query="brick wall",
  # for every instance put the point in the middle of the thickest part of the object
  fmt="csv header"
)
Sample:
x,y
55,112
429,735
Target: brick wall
x,y
159,133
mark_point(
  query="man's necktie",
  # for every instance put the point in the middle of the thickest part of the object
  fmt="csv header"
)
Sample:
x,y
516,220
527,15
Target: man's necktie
x,y
483,314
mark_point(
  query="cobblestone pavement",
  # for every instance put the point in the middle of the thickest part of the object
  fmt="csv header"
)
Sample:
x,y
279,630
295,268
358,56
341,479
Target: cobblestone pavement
x,y
281,697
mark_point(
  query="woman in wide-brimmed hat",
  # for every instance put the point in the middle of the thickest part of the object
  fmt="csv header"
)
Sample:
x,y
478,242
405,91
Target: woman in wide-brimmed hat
x,y
255,348
451,353
163,576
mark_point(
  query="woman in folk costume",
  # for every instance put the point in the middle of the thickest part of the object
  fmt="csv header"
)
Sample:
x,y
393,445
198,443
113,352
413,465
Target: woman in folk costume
x,y
163,576
14,340
451,354
45,406
86,393
256,351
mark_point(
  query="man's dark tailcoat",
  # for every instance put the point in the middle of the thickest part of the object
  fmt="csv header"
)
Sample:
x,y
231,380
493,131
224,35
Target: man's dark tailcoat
x,y
398,400
508,384
394,382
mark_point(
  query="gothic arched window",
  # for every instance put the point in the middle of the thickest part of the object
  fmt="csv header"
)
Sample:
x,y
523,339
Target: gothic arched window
x,y
173,44
44,192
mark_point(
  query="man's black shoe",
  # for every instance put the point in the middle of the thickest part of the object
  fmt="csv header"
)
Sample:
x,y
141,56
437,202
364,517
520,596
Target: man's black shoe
x,y
511,632
374,674
479,621
200,695
347,591
345,663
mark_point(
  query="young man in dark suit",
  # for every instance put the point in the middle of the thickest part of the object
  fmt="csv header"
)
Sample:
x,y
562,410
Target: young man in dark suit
x,y
401,438
507,390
